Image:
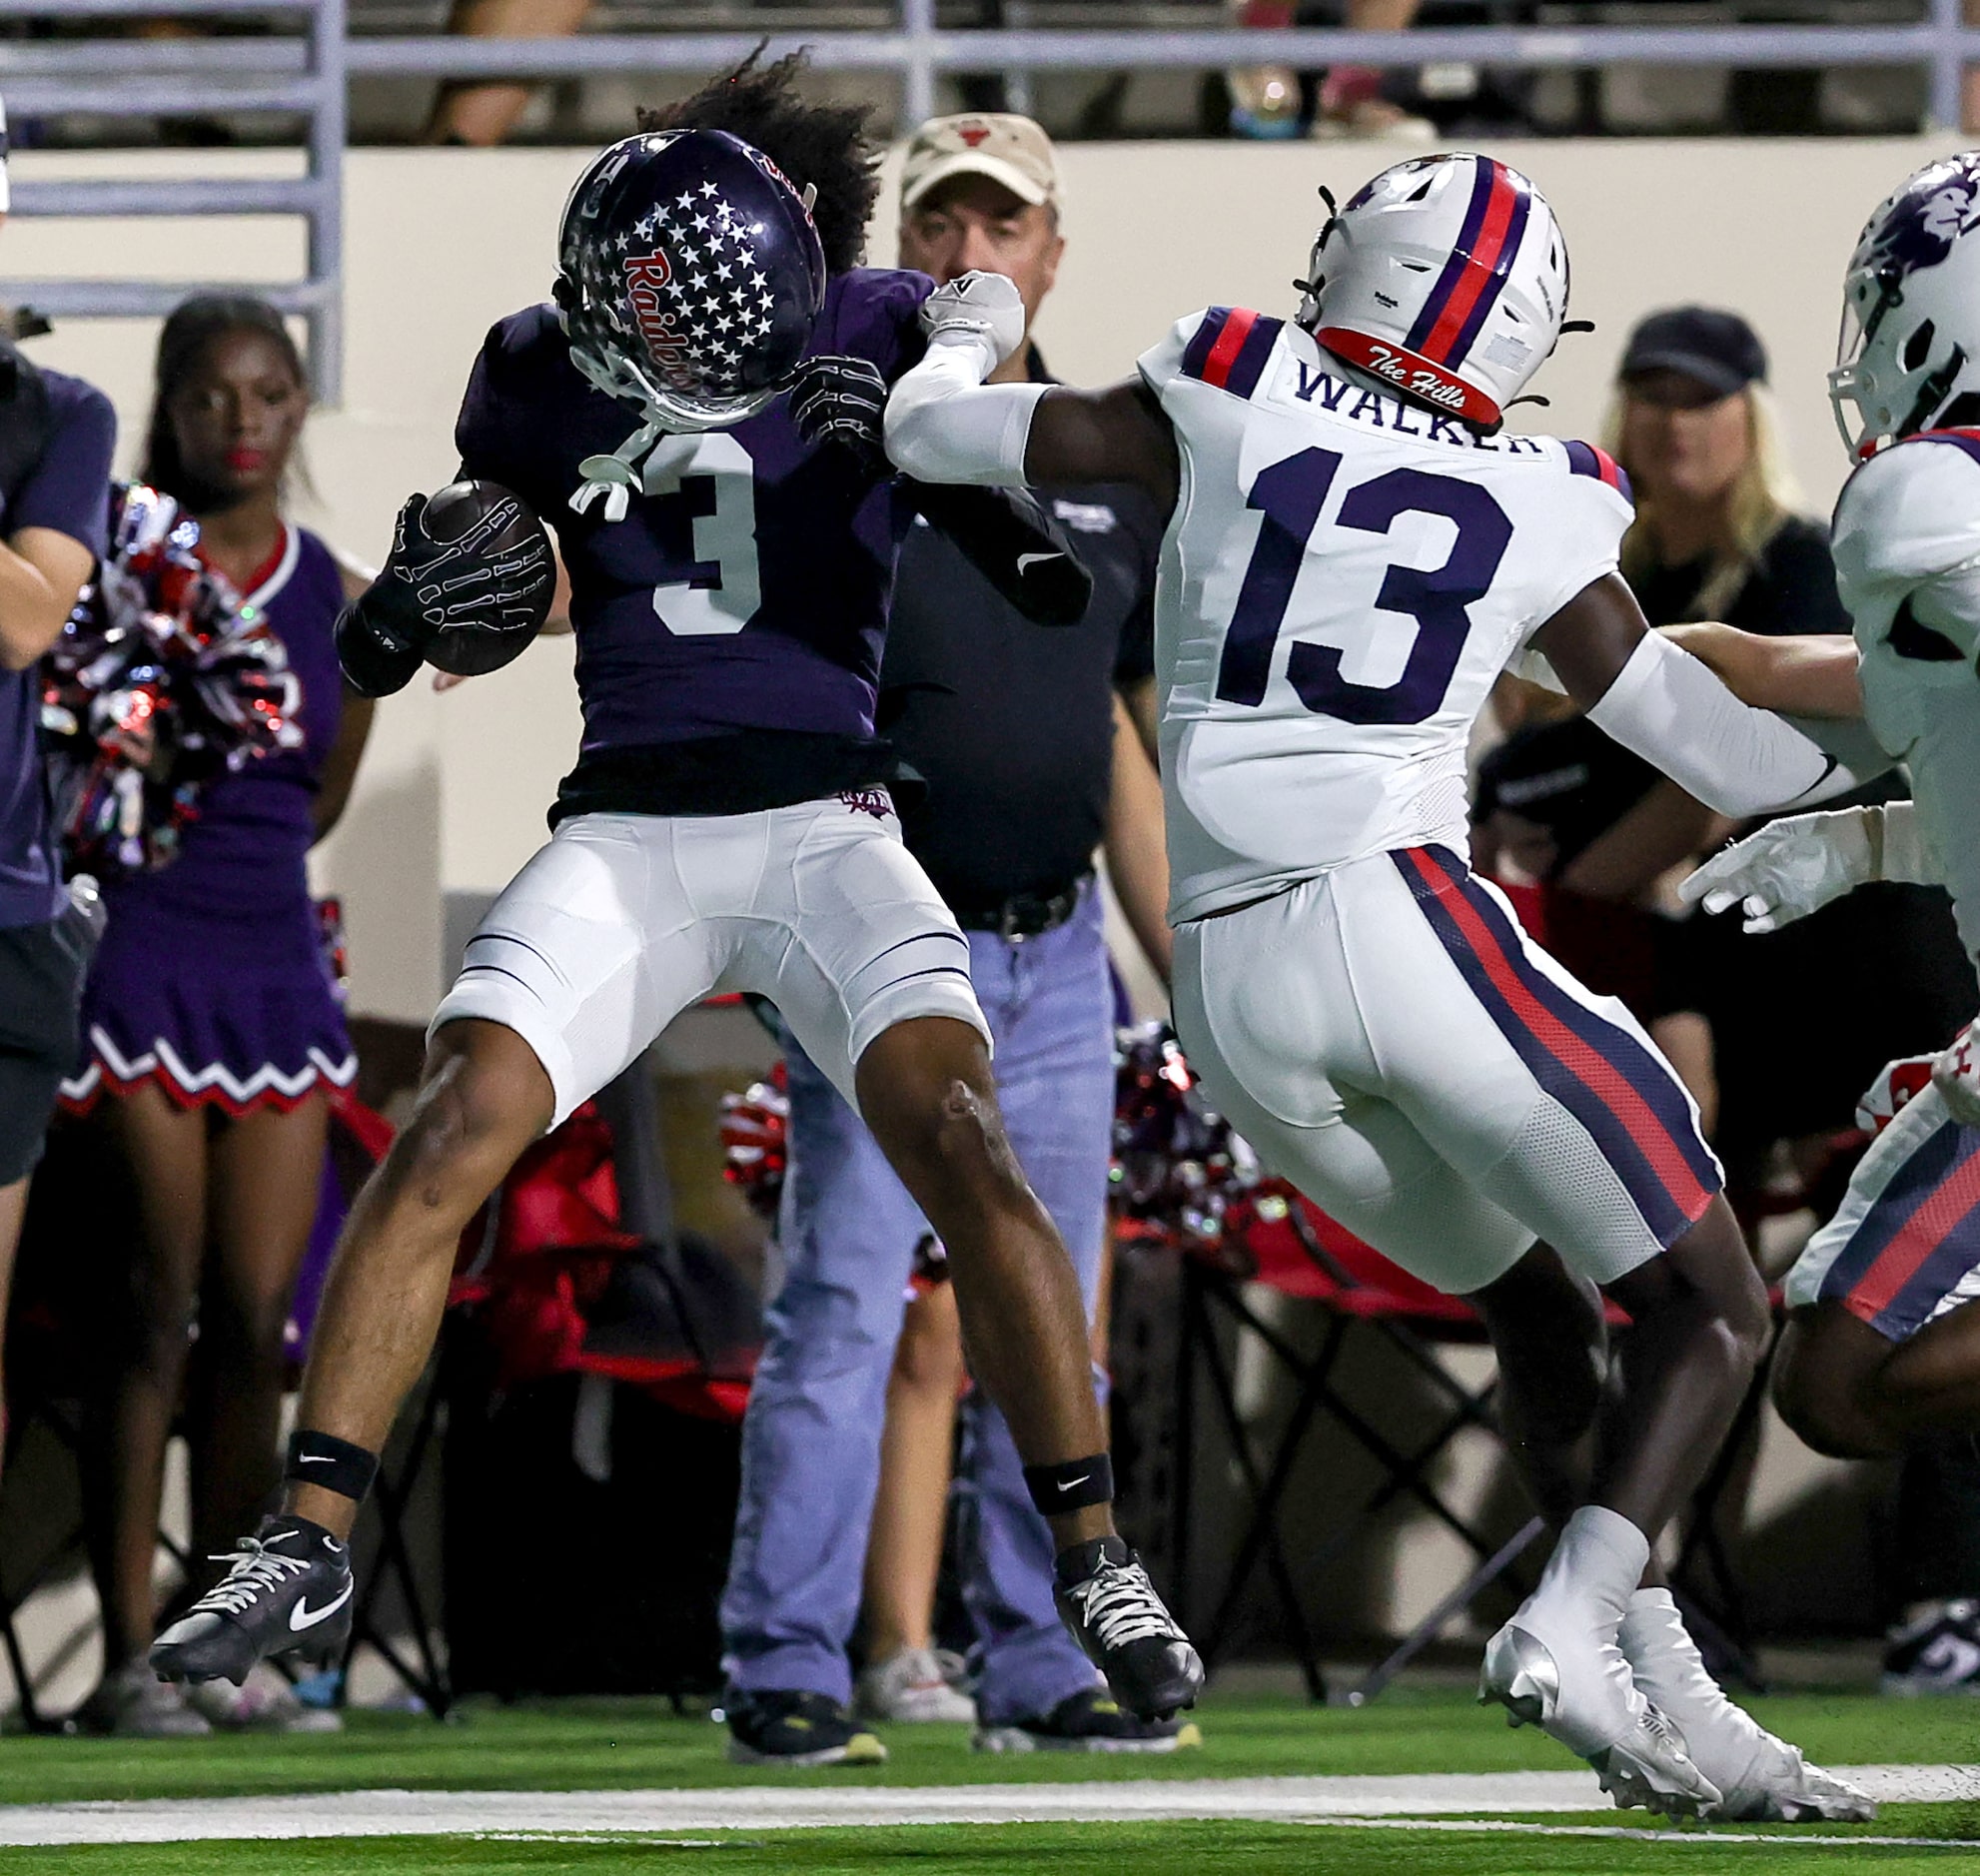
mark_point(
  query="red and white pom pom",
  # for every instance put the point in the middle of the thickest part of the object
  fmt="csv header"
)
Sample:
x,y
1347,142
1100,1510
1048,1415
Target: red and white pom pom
x,y
1897,1083
1956,1075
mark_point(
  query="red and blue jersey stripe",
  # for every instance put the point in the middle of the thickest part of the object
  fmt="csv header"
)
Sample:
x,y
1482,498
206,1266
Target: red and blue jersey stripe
x,y
1630,1102
1475,274
1583,458
1919,1237
1229,349
1961,439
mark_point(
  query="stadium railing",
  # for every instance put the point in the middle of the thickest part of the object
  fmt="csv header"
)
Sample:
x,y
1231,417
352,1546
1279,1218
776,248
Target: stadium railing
x,y
304,73
300,73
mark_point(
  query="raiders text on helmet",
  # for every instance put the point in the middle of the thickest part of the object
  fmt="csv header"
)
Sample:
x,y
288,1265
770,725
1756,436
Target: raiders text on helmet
x,y
1910,342
690,278
1444,277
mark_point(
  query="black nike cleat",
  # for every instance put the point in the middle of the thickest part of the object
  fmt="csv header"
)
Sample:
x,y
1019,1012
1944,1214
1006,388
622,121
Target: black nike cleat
x,y
1107,1601
287,1592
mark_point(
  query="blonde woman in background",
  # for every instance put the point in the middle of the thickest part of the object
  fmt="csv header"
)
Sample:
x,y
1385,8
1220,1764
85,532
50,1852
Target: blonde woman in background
x,y
1720,531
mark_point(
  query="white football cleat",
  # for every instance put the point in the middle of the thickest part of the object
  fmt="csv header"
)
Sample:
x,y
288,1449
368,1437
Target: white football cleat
x,y
1576,1687
1762,1779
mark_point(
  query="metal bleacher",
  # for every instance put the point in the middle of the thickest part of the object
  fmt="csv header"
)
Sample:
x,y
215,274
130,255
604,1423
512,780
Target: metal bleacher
x,y
291,62
298,72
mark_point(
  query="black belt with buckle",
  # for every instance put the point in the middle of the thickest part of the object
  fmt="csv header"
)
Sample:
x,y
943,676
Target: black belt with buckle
x,y
1028,915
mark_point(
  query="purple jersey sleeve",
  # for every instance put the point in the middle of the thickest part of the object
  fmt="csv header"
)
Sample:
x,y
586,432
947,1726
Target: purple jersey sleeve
x,y
69,488
874,313
500,415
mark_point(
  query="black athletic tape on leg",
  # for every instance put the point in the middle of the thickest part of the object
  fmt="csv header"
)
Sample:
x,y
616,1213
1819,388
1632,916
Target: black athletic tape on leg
x,y
1071,1484
335,1464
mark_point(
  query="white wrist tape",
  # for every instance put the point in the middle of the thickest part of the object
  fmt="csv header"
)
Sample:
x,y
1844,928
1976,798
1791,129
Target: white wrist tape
x,y
1673,711
944,425
1897,852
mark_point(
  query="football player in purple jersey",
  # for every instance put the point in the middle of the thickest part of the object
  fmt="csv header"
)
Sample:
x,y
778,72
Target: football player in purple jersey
x,y
727,826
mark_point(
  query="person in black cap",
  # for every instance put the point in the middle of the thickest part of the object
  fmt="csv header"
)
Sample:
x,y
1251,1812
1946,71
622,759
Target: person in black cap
x,y
1717,533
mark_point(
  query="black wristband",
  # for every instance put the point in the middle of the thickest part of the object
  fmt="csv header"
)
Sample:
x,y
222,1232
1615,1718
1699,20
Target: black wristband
x,y
1070,1484
335,1464
374,665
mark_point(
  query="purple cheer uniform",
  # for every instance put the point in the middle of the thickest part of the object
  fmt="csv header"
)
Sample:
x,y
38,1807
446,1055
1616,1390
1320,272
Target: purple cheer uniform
x,y
212,979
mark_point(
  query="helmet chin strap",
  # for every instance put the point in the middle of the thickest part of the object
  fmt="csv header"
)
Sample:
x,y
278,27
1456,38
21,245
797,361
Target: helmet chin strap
x,y
614,477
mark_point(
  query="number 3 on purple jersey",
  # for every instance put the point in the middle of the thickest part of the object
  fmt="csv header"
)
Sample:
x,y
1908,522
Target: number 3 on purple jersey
x,y
721,590
1291,494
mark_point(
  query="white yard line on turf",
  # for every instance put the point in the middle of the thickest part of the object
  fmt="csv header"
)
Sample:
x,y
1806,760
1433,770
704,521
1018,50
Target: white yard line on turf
x,y
468,1813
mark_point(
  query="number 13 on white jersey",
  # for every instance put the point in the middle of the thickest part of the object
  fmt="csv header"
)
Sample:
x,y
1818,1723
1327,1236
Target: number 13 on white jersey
x,y
1348,577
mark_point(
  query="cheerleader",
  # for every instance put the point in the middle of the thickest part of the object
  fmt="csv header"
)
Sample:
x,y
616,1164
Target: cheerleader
x,y
213,1033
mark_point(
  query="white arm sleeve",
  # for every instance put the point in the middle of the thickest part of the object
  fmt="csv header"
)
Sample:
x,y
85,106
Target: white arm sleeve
x,y
944,425
1672,710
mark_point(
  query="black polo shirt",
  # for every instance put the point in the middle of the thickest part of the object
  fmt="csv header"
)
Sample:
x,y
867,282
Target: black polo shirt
x,y
1011,724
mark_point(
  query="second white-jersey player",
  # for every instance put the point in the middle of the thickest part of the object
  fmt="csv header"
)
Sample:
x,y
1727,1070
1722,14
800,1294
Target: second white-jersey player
x,y
1882,1347
1356,552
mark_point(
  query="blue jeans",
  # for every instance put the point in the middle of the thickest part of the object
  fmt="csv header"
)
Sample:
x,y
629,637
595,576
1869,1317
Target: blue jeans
x,y
811,1443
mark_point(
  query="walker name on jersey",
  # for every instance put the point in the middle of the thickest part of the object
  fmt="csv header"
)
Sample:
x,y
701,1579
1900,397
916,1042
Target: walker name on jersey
x,y
1318,385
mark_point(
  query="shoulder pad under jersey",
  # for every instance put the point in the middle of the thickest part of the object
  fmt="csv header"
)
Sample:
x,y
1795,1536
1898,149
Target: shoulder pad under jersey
x,y
874,313
1910,513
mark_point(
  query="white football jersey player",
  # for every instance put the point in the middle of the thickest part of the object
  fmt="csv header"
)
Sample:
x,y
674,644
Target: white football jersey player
x,y
1346,578
1356,552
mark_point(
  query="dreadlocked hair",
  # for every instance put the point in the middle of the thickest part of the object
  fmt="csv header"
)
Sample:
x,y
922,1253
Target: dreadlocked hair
x,y
828,145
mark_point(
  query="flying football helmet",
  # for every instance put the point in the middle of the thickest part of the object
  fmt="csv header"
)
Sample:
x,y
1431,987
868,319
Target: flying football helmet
x,y
1445,276
689,277
1910,340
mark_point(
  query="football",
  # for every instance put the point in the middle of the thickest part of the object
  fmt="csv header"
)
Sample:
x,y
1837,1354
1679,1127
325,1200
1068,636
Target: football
x,y
520,542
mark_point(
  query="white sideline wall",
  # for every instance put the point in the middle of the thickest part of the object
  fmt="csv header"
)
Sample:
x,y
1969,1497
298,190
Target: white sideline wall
x,y
439,244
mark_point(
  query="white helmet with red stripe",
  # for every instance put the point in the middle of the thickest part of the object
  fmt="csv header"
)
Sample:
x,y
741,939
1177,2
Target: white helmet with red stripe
x,y
1445,276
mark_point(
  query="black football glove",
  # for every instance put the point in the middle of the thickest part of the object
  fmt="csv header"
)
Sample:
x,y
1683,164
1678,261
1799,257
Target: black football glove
x,y
842,400
433,588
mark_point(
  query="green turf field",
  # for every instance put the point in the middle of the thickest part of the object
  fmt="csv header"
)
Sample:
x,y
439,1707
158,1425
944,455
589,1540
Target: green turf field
x,y
586,1745
631,1745
1170,1849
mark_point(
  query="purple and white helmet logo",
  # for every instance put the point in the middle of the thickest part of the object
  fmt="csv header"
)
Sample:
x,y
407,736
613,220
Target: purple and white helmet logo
x,y
1921,223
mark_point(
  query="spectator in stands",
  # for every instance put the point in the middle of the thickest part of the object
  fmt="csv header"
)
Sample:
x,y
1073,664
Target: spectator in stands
x,y
57,437
483,114
213,1033
1266,100
1030,762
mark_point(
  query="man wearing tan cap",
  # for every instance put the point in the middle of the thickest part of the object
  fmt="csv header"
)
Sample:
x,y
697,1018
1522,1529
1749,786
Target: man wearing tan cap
x,y
1031,763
